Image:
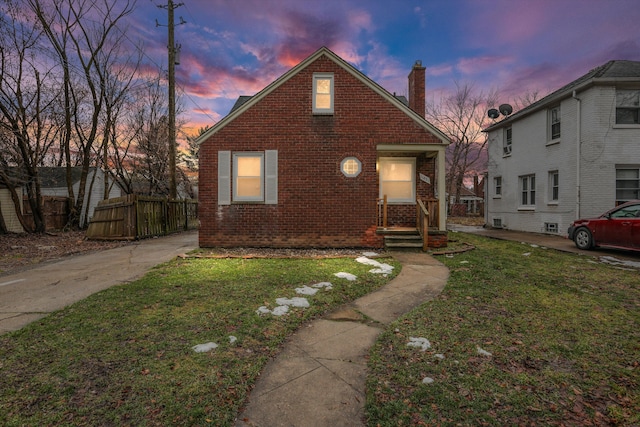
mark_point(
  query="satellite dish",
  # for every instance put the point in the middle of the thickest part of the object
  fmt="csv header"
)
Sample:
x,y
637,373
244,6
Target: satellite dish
x,y
493,113
505,109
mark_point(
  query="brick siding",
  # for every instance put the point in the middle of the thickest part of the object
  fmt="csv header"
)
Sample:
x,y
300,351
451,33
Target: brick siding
x,y
317,205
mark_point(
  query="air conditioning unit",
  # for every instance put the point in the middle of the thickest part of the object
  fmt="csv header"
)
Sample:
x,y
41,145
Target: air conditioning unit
x,y
506,150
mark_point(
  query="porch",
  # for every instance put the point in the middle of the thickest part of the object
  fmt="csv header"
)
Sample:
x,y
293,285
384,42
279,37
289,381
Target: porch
x,y
423,235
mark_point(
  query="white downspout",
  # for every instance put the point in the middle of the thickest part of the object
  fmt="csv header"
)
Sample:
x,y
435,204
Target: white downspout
x,y
578,151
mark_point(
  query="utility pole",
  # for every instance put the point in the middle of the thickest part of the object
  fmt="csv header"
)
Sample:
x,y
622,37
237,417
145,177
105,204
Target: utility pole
x,y
173,194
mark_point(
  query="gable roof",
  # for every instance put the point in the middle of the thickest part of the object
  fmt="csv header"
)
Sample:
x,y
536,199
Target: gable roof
x,y
245,102
613,72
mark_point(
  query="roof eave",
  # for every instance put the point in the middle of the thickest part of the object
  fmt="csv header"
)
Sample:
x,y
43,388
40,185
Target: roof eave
x,y
347,67
557,97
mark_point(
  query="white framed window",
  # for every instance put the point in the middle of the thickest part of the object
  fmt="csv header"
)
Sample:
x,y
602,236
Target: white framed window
x,y
248,177
627,183
351,167
528,190
627,107
508,139
554,186
554,123
323,91
497,186
398,179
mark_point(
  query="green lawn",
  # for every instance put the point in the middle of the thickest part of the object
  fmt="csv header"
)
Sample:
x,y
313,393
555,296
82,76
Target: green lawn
x,y
563,333
562,330
124,356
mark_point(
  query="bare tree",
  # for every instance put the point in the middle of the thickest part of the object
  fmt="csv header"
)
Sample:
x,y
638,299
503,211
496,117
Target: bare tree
x,y
85,37
148,154
526,99
28,112
461,116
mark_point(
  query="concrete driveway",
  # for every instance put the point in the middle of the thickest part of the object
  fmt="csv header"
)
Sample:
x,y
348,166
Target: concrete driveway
x,y
32,294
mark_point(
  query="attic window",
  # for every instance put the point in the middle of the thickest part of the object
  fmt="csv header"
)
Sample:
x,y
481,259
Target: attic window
x,y
323,93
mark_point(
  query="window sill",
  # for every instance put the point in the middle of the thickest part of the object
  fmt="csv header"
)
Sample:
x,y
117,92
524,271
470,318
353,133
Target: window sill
x,y
553,204
497,197
247,202
554,142
526,209
323,113
626,126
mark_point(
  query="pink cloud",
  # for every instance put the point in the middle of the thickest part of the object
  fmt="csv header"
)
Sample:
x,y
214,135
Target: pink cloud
x,y
360,20
439,70
482,64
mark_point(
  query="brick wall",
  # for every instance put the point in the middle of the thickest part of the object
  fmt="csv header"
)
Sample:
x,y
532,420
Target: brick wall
x,y
317,205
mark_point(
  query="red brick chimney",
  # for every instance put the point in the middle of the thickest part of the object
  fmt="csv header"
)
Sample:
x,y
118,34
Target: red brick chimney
x,y
417,88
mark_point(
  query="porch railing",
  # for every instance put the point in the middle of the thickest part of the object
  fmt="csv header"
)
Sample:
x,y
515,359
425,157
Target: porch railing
x,y
382,212
432,206
422,223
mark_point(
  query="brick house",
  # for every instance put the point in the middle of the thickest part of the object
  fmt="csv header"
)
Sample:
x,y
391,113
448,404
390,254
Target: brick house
x,y
305,162
574,153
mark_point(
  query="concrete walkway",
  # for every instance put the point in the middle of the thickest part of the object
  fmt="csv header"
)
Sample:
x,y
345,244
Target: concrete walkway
x,y
319,377
32,294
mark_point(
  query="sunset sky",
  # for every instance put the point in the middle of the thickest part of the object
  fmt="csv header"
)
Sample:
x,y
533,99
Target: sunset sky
x,y
237,47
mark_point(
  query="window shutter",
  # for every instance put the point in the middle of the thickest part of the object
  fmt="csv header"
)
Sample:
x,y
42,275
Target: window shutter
x,y
224,177
271,177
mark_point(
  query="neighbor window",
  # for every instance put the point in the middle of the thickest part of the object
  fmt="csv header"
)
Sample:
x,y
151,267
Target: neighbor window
x,y
250,177
398,179
351,167
554,186
627,184
554,123
528,190
323,93
497,186
627,107
506,148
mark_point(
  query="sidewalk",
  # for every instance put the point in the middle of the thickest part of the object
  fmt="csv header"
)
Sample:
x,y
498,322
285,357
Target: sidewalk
x,y
319,377
32,294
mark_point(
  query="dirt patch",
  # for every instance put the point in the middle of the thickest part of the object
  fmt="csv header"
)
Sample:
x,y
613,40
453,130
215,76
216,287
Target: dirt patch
x,y
22,251
466,220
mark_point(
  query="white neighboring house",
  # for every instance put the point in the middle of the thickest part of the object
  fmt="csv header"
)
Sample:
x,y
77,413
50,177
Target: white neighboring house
x,y
575,153
53,183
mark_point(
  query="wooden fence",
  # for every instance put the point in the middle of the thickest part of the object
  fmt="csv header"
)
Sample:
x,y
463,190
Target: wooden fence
x,y
135,217
54,209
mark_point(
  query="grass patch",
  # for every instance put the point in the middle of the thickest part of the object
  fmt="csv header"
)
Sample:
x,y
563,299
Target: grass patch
x,y
124,356
563,331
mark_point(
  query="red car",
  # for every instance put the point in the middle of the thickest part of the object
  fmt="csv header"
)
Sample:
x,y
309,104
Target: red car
x,y
617,228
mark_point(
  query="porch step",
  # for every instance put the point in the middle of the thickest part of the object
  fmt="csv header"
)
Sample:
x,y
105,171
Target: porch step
x,y
402,239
